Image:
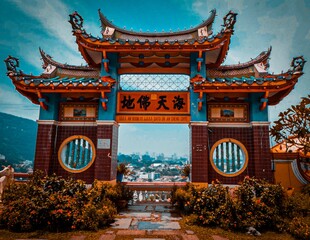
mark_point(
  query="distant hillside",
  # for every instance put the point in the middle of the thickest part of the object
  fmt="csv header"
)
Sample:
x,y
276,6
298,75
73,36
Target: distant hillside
x,y
17,139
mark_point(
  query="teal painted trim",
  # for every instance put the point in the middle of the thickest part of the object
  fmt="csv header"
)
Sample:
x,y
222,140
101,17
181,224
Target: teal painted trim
x,y
193,65
103,72
255,102
86,158
195,114
194,97
52,102
111,101
74,147
70,154
83,153
66,161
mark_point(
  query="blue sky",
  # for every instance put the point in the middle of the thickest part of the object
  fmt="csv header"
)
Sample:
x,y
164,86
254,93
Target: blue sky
x,y
27,25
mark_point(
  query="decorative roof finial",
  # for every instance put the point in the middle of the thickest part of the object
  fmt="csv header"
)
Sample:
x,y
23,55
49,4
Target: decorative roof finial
x,y
11,64
230,20
76,21
298,64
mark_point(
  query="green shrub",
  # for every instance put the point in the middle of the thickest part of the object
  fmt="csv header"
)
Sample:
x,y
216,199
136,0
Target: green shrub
x,y
299,229
253,203
55,204
259,204
306,189
117,194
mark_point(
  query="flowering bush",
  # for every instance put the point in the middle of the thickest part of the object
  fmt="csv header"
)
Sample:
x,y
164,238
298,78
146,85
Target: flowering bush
x,y
254,203
299,229
55,204
118,194
181,197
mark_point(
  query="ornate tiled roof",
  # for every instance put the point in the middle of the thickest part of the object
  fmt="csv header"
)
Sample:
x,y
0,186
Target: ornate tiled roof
x,y
263,57
181,37
160,37
115,39
59,82
54,68
246,69
34,86
274,86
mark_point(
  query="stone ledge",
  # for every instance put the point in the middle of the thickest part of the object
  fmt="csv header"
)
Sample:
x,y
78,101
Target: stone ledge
x,y
165,232
130,232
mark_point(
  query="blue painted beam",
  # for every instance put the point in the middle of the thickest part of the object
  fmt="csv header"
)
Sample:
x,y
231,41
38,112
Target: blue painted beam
x,y
111,99
194,97
53,107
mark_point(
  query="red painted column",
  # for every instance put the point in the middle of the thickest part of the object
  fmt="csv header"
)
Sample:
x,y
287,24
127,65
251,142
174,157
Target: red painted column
x,y
45,145
199,152
261,151
106,156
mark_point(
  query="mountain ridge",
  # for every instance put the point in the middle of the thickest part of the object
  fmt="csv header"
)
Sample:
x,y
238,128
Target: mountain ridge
x,y
17,139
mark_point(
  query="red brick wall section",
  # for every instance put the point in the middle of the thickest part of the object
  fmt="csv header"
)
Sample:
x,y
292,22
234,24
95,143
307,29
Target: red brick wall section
x,y
106,162
199,153
261,153
44,147
64,132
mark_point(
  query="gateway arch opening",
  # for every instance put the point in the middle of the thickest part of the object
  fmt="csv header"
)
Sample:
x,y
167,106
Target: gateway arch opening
x,y
154,152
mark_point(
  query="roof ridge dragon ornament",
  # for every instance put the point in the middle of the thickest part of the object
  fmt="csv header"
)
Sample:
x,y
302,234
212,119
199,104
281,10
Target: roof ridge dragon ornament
x,y
230,20
76,21
12,63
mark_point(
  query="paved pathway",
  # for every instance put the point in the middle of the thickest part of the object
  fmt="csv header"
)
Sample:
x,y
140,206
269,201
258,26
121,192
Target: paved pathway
x,y
142,221
146,220
148,217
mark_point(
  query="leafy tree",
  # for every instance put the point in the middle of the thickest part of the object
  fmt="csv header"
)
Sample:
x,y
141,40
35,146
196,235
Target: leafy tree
x,y
293,127
186,170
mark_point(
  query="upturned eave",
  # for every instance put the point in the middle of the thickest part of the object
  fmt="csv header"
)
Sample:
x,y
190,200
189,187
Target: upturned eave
x,y
138,35
275,87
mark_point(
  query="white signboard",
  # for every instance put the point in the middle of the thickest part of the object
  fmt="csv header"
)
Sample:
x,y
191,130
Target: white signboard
x,y
103,143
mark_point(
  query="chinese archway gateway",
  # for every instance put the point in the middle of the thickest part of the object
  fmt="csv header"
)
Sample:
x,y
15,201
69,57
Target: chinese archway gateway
x,y
225,105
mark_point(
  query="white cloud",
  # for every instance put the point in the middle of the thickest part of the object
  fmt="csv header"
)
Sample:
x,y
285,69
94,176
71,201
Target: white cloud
x,y
61,45
236,5
51,15
308,35
282,29
28,50
10,100
203,7
92,28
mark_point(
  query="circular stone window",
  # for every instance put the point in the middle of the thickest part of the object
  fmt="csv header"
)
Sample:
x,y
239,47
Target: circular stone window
x,y
229,157
76,153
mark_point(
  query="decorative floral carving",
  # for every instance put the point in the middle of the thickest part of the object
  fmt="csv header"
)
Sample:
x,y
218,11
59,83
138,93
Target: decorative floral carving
x,y
76,21
298,64
230,20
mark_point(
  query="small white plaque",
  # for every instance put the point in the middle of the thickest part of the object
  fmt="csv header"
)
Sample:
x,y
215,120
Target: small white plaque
x,y
203,32
108,31
103,143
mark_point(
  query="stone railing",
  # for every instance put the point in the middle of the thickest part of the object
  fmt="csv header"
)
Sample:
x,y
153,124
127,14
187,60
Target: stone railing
x,y
152,192
143,191
21,177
